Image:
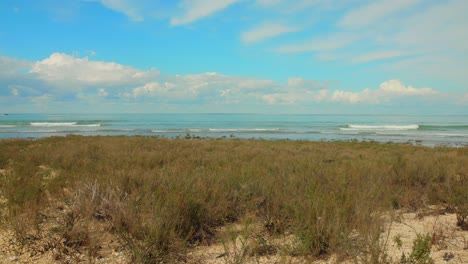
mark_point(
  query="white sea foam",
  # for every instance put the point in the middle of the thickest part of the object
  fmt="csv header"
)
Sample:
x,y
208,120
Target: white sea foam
x,y
47,124
7,126
379,127
38,131
87,125
424,135
247,130
451,135
171,130
62,124
195,130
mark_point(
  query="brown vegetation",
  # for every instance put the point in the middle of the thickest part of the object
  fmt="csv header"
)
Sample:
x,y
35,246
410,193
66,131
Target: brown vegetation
x,y
161,197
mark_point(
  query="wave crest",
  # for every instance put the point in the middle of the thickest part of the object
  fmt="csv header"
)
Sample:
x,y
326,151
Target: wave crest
x,y
62,124
380,127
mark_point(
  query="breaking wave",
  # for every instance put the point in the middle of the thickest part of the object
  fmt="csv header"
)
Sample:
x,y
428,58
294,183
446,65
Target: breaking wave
x,y
62,124
379,127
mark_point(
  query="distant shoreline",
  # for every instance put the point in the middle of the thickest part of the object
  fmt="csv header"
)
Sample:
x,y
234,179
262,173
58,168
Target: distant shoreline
x,y
189,136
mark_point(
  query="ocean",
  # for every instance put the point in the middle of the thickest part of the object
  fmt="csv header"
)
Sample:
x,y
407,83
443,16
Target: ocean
x,y
423,130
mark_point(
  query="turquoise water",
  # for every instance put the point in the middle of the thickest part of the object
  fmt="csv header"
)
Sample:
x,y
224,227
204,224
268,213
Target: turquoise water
x,y
426,130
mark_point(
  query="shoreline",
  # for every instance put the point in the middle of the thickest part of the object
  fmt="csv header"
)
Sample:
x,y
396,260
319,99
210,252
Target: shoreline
x,y
194,136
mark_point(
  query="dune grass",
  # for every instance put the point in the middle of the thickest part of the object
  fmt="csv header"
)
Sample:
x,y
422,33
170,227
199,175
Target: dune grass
x,y
161,197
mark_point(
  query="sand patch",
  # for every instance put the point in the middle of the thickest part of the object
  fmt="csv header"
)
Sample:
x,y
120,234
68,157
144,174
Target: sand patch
x,y
449,242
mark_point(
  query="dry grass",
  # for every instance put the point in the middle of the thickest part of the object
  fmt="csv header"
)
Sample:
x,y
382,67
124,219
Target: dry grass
x,y
161,197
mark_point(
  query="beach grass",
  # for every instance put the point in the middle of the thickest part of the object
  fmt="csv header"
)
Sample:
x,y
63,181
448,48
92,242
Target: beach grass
x,y
161,197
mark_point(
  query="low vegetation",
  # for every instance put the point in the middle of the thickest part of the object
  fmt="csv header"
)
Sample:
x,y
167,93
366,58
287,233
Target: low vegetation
x,y
161,197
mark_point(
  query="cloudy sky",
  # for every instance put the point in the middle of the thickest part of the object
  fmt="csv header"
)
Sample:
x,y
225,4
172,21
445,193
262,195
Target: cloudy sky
x,y
223,56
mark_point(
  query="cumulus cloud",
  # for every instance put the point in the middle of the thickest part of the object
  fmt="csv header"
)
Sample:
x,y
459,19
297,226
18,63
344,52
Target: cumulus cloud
x,y
68,71
297,91
208,86
266,30
125,84
149,89
221,89
297,82
296,97
197,9
387,91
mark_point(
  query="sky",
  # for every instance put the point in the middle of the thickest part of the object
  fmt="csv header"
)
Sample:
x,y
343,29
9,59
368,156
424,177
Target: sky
x,y
234,56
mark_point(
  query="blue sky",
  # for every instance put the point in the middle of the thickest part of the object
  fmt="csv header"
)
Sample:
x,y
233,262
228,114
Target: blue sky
x,y
248,56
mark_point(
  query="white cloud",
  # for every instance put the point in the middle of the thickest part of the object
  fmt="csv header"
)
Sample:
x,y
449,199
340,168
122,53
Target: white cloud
x,y
295,97
387,91
21,90
440,27
268,3
221,89
11,67
376,10
68,71
14,91
198,9
409,37
127,7
464,99
149,89
297,91
395,87
254,84
350,97
266,30
182,87
103,92
131,85
323,43
42,100
435,37
302,83
380,55
287,6
296,81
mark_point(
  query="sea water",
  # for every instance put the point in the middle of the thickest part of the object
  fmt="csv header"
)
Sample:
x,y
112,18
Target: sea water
x,y
425,130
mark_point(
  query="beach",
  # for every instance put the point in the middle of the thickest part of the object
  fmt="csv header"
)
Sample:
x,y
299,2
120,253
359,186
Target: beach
x,y
122,199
